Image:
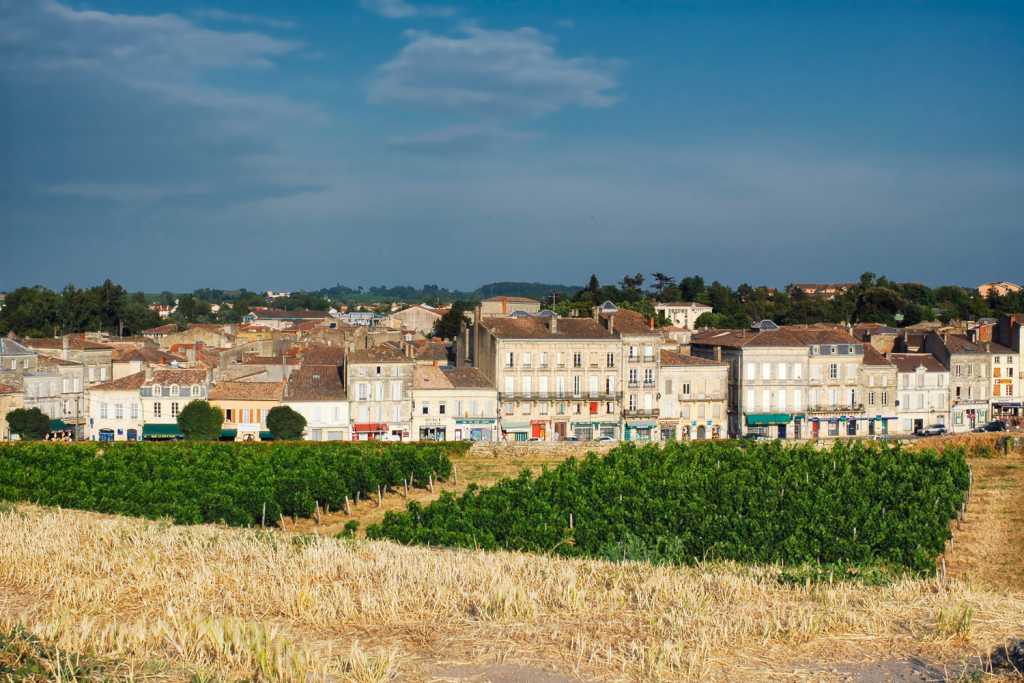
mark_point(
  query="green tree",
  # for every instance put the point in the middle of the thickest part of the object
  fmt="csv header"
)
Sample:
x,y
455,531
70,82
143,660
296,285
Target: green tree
x,y
78,310
284,423
200,421
112,300
662,282
593,285
30,312
31,424
449,325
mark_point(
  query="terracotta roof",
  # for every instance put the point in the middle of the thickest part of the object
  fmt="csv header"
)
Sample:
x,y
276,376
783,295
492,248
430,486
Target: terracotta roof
x,y
909,362
783,337
163,329
324,355
520,299
432,351
467,378
255,391
540,328
430,377
672,359
270,360
291,315
873,357
151,356
378,354
686,304
959,343
210,327
56,361
8,389
629,322
129,383
181,377
76,343
317,383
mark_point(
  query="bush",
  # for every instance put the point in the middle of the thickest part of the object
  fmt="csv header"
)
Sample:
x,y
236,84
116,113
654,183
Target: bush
x,y
200,421
867,504
31,424
286,424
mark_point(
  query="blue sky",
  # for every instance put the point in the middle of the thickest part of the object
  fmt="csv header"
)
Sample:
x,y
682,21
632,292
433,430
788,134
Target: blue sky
x,y
176,144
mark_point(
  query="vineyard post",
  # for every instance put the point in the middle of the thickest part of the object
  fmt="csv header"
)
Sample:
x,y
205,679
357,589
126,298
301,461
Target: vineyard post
x,y
455,471
348,508
430,478
406,483
283,527
380,498
263,519
318,518
570,520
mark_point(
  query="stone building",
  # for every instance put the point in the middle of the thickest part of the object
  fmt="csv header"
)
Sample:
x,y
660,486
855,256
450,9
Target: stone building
x,y
245,406
11,397
693,398
419,318
879,380
97,357
641,353
923,391
505,305
70,411
317,392
453,404
683,314
379,382
144,405
970,375
1008,368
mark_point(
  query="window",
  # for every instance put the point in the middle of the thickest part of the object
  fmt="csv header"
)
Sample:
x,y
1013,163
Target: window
x,y
632,402
871,398
970,393
634,353
396,391
119,411
815,350
782,400
717,411
560,385
686,390
542,408
995,390
508,408
559,359
364,394
853,398
246,415
576,409
634,377
527,360
959,391
815,372
135,411
766,371
751,371
472,408
958,370
942,401
577,360
851,371
396,371
997,372
766,399
668,386
103,372
64,387
336,413
510,385
796,400
833,371
440,408
157,390
509,359
527,408
850,350
157,409
782,371
174,390
885,398
970,371
648,352
649,377
544,359
833,398
834,350
377,371
76,385
750,401
920,401
228,415
378,390
396,413
885,380
594,379
195,390
92,373
527,386
798,371
701,411
685,413
103,411
576,388
611,360
174,410
425,407
543,386
561,409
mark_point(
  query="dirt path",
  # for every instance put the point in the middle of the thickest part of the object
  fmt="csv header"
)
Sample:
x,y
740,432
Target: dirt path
x,y
988,547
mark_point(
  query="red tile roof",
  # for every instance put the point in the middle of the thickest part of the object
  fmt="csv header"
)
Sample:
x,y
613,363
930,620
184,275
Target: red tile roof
x,y
673,359
909,362
255,391
316,383
378,354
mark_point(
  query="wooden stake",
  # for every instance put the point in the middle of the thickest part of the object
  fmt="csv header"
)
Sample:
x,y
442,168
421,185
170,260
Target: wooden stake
x,y
263,519
406,482
455,471
431,480
348,508
570,520
283,527
380,498
318,518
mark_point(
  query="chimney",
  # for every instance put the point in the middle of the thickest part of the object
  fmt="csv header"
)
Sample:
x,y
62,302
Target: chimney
x,y
161,360
652,322
209,378
284,387
597,314
66,345
149,373
553,327
435,363
192,357
611,323
504,305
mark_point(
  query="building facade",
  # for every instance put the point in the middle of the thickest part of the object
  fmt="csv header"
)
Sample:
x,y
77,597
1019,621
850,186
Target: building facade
x,y
379,382
453,404
245,406
683,314
694,398
923,391
317,392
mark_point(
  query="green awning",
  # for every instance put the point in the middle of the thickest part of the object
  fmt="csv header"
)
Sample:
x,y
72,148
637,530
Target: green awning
x,y
769,419
515,425
158,431
641,424
474,421
266,436
57,425
224,433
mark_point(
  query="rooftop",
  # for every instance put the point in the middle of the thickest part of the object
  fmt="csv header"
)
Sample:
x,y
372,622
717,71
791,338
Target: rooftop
x,y
319,354
316,383
76,343
378,354
910,362
252,391
673,359
540,328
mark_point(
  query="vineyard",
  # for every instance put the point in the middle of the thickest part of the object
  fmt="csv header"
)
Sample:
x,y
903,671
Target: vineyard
x,y
859,503
213,482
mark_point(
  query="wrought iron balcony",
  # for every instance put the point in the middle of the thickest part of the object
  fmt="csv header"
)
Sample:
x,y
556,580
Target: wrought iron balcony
x,y
640,413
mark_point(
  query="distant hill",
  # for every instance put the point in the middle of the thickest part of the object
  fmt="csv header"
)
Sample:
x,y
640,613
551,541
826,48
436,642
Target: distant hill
x,y
534,290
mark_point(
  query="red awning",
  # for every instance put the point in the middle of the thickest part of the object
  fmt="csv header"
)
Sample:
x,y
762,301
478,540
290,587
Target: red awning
x,y
540,422
370,427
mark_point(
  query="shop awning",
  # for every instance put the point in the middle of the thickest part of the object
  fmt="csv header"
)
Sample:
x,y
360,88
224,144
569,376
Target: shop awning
x,y
157,431
57,425
473,421
371,427
224,433
266,436
1006,405
508,426
641,424
769,419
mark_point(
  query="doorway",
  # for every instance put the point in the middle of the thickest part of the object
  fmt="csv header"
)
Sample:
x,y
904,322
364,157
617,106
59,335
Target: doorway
x,y
782,431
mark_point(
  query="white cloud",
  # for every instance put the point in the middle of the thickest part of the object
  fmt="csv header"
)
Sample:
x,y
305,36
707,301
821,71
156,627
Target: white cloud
x,y
566,23
457,140
491,74
221,15
399,9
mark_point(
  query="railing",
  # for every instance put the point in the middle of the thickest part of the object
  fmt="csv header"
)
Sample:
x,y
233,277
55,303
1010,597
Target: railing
x,y
634,385
634,359
649,384
648,359
582,395
641,413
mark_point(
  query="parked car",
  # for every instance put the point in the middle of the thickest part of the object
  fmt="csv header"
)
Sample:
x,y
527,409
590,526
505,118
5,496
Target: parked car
x,y
607,439
997,426
932,430
756,437
535,438
571,438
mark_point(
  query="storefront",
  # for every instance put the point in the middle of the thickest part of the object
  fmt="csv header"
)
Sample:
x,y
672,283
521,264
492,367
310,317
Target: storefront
x,y
968,416
368,431
474,429
878,425
432,433
668,431
161,431
640,430
845,425
1005,410
515,431
769,424
539,428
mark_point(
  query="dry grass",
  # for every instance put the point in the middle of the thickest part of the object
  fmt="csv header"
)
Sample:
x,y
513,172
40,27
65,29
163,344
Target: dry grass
x,y
167,602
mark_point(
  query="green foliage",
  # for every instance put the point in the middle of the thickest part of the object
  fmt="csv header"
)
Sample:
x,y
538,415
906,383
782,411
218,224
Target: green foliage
x,y
284,423
196,482
863,503
449,325
200,421
351,527
26,658
30,424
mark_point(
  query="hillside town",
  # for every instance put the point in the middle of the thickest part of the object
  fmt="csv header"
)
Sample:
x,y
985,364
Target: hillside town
x,y
516,370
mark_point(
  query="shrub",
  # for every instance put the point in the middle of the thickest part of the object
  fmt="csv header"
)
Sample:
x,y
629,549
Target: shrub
x,y
200,421
284,423
31,424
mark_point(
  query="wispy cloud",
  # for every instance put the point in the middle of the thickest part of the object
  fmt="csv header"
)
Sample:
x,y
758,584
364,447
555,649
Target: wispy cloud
x,y
491,74
457,140
221,15
399,9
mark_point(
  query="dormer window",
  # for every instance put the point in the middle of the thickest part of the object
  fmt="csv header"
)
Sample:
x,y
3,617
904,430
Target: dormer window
x,y
174,390
849,349
815,350
834,350
196,391
156,389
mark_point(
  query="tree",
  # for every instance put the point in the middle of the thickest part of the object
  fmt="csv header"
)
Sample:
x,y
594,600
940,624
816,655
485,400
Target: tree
x,y
284,423
662,281
31,424
112,299
633,284
200,421
449,325
593,285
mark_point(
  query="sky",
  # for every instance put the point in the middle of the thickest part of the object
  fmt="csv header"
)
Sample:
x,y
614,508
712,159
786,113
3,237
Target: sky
x,y
176,144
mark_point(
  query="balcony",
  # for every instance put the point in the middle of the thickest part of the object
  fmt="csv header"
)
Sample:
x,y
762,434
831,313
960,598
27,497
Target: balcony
x,y
648,359
543,366
634,385
637,413
649,385
835,409
634,359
